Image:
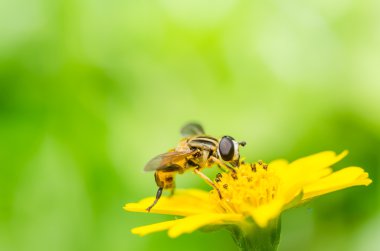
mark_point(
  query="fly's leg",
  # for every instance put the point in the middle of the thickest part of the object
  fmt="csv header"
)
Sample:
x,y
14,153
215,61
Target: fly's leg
x,y
205,155
222,165
158,196
223,169
208,181
172,191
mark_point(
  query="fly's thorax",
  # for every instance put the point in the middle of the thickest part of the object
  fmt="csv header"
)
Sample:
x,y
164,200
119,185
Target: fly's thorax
x,y
203,142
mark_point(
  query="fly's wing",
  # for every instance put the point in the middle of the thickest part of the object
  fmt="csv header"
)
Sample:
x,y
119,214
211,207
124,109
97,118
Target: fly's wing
x,y
192,129
166,160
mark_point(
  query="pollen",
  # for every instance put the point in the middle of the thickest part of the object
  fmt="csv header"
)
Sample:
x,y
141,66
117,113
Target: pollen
x,y
251,186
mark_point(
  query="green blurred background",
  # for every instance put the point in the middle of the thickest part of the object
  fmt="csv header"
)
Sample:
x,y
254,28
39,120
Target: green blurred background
x,y
91,90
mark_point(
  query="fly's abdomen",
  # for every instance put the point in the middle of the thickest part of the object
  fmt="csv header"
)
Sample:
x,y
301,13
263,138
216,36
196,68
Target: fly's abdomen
x,y
164,179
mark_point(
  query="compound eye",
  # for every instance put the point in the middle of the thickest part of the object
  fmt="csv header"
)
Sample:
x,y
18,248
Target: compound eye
x,y
226,148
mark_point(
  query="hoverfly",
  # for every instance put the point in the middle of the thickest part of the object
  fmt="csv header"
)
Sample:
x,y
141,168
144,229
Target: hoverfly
x,y
194,152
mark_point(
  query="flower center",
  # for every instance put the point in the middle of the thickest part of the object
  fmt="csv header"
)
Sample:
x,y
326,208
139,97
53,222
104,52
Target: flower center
x,y
249,187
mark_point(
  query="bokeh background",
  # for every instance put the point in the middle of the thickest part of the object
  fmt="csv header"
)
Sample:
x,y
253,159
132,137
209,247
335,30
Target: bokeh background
x,y
91,90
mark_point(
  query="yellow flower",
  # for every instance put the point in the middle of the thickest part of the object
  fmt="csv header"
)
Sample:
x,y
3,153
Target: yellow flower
x,y
257,192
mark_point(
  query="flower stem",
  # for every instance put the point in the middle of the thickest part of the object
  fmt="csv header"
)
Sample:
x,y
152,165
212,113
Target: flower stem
x,y
251,237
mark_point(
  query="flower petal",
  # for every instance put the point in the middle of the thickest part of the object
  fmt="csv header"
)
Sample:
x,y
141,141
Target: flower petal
x,y
318,161
184,202
293,186
279,166
144,230
347,177
307,170
192,223
187,224
263,214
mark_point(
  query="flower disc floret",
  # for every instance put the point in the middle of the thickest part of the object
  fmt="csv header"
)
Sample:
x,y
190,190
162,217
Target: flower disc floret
x,y
249,187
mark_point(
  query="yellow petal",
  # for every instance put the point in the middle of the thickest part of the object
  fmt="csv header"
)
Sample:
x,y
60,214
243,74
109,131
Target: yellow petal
x,y
292,186
192,223
188,224
347,177
279,166
318,160
153,227
278,163
307,170
263,214
183,203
